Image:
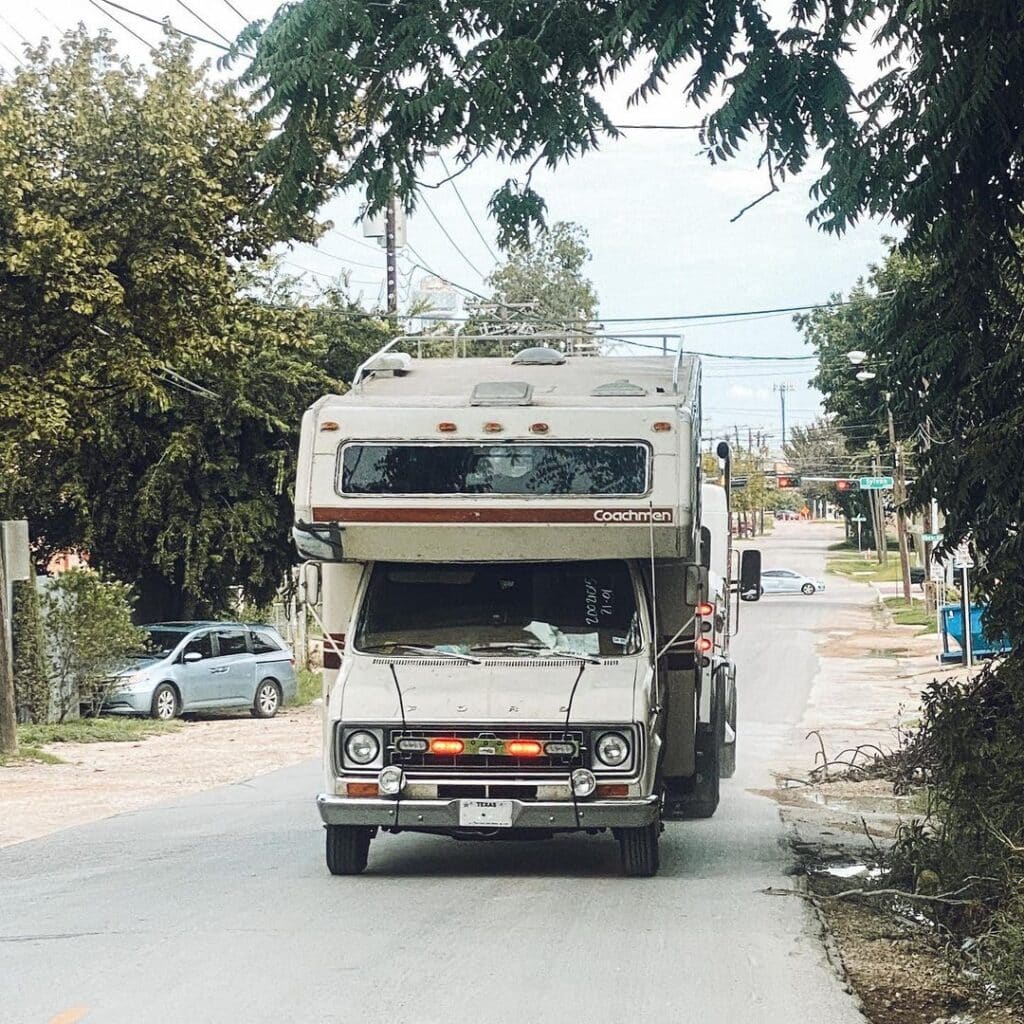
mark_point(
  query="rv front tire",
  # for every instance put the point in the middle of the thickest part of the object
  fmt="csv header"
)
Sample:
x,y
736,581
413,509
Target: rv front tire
x,y
639,850
348,848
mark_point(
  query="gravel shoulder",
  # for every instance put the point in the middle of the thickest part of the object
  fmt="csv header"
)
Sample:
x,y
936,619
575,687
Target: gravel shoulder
x,y
98,780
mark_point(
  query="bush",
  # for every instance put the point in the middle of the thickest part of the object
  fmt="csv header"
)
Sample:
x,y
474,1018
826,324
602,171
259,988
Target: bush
x,y
31,680
90,632
970,751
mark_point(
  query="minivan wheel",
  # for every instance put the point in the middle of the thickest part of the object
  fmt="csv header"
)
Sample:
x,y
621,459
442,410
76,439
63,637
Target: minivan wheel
x,y
638,848
808,589
348,848
267,699
165,703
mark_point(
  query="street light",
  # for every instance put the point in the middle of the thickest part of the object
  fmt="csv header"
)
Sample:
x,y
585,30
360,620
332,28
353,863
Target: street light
x,y
866,375
856,356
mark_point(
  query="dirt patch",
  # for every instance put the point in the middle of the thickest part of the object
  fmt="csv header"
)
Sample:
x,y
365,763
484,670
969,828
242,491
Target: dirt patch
x,y
900,971
97,780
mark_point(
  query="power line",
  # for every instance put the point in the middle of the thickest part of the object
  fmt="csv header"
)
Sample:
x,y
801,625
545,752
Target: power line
x,y
660,127
472,266
121,24
184,6
341,259
237,11
165,23
14,30
472,220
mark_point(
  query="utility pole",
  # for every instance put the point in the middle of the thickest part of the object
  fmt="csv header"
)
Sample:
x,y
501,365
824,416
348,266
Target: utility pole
x,y
392,260
8,715
782,389
878,513
899,498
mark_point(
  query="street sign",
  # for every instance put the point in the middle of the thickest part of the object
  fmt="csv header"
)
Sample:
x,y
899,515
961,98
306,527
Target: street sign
x,y
736,482
962,557
931,538
876,483
859,519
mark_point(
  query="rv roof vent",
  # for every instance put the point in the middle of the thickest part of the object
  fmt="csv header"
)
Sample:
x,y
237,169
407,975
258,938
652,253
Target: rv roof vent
x,y
502,392
539,356
619,389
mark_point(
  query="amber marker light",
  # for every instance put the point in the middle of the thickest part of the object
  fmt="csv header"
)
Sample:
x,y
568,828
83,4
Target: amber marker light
x,y
330,425
523,748
539,428
363,789
446,428
704,644
493,428
612,789
661,426
705,608
451,747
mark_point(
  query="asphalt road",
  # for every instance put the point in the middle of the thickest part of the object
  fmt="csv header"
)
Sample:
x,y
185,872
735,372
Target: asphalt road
x,y
219,907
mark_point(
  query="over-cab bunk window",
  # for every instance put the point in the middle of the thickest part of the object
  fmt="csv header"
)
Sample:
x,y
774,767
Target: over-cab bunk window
x,y
545,468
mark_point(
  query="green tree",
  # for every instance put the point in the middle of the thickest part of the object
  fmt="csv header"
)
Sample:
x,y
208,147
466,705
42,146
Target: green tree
x,y
90,635
548,275
153,370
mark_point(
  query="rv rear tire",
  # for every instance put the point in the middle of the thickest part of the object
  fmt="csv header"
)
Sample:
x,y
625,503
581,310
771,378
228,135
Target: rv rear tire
x,y
348,848
639,850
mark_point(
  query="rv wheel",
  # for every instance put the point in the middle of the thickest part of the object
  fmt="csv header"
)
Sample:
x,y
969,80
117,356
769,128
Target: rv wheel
x,y
348,848
639,850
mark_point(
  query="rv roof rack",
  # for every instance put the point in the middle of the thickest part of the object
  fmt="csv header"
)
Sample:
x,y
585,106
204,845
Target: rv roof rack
x,y
461,343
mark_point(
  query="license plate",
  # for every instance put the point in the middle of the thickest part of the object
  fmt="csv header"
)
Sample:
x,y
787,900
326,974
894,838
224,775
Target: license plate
x,y
485,813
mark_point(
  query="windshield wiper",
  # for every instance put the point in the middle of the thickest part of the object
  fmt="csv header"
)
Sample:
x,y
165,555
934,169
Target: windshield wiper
x,y
537,651
432,652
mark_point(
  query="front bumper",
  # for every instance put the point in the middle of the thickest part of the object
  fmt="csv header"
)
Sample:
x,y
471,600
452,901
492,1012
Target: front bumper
x,y
443,814
129,703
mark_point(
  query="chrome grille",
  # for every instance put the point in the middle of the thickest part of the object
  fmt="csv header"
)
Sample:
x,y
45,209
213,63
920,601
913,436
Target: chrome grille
x,y
493,765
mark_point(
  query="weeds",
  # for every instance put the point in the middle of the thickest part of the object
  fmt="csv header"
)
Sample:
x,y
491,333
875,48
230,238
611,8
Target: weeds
x,y
94,730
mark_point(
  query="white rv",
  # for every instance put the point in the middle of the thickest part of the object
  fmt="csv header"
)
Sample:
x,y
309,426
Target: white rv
x,y
522,633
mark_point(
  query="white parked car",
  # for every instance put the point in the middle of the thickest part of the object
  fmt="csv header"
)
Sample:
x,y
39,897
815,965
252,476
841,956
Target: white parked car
x,y
786,581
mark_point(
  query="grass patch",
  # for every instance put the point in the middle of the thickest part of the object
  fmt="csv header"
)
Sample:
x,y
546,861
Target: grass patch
x,y
94,730
865,570
27,755
310,687
908,615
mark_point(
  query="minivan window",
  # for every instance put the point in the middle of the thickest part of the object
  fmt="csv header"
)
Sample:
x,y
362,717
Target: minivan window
x,y
261,643
573,607
201,645
230,641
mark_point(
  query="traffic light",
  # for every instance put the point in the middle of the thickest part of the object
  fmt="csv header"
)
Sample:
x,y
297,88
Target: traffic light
x,y
788,481
846,485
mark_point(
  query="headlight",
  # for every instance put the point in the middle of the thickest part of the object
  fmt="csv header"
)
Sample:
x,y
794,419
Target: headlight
x,y
129,682
612,749
361,747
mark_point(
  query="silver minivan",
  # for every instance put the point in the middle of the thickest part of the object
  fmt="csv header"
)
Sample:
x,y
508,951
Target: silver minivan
x,y
193,666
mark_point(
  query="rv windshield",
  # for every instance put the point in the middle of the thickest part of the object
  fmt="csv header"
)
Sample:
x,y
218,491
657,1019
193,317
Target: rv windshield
x,y
584,608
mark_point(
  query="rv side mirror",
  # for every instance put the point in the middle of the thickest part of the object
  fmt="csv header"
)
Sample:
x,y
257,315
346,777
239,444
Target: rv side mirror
x,y
696,590
750,575
310,576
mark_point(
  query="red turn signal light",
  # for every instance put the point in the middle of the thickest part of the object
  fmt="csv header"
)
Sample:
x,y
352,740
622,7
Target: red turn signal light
x,y
705,608
539,428
330,425
523,748
447,428
447,746
493,428
704,644
661,426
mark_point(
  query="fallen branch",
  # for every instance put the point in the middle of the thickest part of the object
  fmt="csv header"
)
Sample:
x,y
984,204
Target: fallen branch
x,y
948,899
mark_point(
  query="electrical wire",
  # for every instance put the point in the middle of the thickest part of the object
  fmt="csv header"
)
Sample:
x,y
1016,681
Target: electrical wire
x,y
165,23
237,11
184,6
462,202
14,30
472,266
121,24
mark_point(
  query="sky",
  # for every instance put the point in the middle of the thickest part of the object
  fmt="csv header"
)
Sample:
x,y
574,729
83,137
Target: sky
x,y
658,215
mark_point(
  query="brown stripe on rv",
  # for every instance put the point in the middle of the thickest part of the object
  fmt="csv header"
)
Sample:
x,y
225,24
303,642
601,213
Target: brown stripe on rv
x,y
613,516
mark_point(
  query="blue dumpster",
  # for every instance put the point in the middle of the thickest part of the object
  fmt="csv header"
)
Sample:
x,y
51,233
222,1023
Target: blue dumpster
x,y
953,629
